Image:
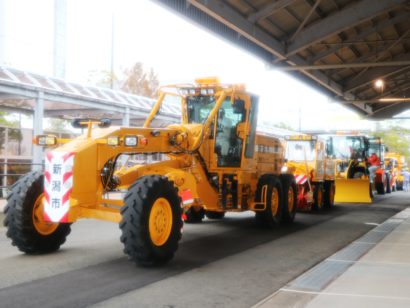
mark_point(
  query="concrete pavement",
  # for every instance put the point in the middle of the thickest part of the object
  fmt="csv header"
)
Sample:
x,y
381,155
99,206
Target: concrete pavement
x,y
373,271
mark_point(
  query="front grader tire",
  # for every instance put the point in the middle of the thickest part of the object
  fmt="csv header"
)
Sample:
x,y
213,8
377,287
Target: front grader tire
x,y
214,215
273,213
24,218
151,222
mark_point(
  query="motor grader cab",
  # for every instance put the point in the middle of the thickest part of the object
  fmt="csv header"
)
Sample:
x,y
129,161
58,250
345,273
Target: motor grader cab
x,y
216,163
396,162
384,179
314,172
352,174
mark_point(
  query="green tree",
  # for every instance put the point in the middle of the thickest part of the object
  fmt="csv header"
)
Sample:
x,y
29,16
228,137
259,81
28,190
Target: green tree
x,y
14,134
397,139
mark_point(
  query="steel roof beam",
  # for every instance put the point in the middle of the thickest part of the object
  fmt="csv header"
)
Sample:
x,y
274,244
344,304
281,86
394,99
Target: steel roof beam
x,y
269,10
375,73
343,65
305,20
388,112
362,35
340,21
244,27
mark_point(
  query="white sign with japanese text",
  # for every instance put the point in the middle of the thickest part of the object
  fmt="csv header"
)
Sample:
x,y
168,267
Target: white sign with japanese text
x,y
58,184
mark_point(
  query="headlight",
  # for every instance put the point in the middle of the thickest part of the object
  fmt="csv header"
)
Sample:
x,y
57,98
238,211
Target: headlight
x,y
130,141
113,140
284,169
46,140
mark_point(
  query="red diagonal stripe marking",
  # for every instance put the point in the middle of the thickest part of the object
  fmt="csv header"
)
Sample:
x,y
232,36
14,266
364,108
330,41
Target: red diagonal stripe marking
x,y
47,176
66,176
67,195
67,156
49,156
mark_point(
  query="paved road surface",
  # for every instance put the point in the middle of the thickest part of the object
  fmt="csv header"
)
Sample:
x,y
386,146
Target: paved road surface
x,y
229,263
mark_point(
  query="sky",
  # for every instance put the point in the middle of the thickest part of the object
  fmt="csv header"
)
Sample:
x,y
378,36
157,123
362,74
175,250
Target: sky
x,y
174,47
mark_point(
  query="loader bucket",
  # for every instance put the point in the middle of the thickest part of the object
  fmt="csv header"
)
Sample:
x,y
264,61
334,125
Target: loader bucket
x,y
352,191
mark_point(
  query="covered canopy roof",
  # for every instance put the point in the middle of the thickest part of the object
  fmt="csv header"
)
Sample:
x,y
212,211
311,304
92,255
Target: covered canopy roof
x,y
19,90
339,46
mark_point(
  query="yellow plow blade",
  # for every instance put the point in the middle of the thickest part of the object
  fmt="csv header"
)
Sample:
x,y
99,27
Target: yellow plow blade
x,y
352,190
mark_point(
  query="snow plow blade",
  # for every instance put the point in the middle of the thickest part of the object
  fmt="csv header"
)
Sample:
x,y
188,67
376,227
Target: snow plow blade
x,y
352,191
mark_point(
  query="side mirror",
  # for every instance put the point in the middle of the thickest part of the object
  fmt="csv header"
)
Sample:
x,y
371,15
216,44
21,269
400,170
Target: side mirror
x,y
241,130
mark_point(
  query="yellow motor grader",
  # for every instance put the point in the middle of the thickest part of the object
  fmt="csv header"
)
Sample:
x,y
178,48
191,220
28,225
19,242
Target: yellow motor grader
x,y
314,172
216,163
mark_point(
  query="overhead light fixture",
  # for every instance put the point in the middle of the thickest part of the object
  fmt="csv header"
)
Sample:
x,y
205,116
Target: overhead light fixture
x,y
379,84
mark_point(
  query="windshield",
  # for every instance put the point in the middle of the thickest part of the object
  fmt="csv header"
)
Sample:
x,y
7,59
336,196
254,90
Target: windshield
x,y
346,146
295,150
199,108
375,148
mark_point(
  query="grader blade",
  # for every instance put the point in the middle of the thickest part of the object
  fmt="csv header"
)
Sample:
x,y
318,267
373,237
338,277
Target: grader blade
x,y
352,191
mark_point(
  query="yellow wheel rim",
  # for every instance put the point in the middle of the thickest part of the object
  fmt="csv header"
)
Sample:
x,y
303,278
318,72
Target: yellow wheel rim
x,y
43,227
274,201
160,221
291,199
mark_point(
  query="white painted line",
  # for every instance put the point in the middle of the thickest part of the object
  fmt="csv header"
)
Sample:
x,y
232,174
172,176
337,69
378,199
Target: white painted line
x,y
347,294
370,262
372,224
366,243
380,231
383,243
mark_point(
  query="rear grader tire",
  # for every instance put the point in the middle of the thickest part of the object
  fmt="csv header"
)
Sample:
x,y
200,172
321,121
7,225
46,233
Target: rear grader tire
x,y
272,215
380,188
329,194
24,218
193,216
388,185
290,198
151,221
318,199
214,215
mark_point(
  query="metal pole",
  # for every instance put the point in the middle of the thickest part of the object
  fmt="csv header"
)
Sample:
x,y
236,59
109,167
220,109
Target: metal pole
x,y
6,146
112,50
38,130
126,117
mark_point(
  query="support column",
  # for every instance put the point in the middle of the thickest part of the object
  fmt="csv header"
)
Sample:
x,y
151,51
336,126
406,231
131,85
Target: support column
x,y
6,146
38,130
126,117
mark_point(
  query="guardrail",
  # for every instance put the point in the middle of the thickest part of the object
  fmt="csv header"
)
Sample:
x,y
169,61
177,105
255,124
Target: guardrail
x,y
9,177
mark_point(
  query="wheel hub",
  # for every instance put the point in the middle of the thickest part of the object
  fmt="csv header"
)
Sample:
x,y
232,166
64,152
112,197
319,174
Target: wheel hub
x,y
274,201
40,224
160,221
290,199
